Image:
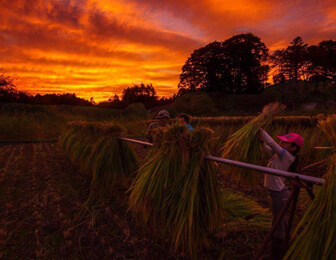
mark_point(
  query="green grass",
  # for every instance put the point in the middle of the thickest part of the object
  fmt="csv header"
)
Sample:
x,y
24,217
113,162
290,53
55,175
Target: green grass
x,y
21,122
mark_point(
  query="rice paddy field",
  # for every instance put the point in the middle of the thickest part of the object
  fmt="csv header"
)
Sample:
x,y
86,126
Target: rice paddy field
x,y
83,196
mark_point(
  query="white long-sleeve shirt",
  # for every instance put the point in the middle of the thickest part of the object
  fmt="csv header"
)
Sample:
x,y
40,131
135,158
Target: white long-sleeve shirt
x,y
281,159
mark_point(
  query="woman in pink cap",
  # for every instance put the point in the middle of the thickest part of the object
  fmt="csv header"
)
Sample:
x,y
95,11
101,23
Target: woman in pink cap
x,y
284,156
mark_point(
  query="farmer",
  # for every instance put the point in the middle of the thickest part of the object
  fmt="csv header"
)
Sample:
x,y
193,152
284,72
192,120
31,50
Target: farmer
x,y
184,119
162,121
283,157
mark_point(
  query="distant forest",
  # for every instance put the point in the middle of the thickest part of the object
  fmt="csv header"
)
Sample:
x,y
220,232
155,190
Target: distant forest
x,y
242,63
238,65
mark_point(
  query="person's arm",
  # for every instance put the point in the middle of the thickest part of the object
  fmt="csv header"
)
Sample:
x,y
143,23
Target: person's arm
x,y
263,146
266,148
276,148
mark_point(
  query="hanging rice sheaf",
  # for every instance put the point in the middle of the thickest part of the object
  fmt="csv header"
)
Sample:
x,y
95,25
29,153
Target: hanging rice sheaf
x,y
77,142
317,240
113,161
95,148
176,191
243,145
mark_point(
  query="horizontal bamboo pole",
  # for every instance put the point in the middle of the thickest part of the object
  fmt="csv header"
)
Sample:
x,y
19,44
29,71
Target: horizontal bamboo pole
x,y
259,169
135,141
262,169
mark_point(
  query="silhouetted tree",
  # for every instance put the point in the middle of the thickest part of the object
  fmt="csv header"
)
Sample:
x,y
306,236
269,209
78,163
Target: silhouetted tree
x,y
323,61
237,65
139,93
247,57
291,63
279,78
8,91
60,99
203,69
142,93
116,98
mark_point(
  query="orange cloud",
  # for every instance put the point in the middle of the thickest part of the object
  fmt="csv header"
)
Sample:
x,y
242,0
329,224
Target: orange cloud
x,y
98,47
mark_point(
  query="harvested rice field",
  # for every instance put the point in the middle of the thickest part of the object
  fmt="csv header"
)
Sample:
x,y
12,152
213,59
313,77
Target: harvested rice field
x,y
82,197
43,214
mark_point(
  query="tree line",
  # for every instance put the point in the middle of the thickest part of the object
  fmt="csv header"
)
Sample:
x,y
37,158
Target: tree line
x,y
242,63
141,93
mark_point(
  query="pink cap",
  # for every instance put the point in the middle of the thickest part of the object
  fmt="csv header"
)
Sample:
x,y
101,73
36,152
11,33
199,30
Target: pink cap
x,y
292,138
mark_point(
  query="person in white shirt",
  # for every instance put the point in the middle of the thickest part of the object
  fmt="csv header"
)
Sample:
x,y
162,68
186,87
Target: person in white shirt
x,y
283,157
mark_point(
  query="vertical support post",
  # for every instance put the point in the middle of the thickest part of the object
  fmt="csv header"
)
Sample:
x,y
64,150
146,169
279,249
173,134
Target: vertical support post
x,y
297,186
309,189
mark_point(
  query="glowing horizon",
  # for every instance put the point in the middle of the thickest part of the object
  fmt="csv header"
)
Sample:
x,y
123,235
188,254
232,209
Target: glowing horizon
x,y
97,48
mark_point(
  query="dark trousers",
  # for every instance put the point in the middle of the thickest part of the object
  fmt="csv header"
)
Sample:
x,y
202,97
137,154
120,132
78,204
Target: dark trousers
x,y
279,199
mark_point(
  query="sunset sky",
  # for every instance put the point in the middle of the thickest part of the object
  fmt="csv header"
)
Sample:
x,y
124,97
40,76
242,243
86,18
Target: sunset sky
x,y
98,47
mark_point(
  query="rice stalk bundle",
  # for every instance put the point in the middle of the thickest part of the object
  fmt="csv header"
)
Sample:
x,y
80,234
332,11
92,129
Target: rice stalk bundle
x,y
176,190
221,134
197,211
64,138
95,148
318,238
242,213
314,137
77,142
113,162
165,162
243,145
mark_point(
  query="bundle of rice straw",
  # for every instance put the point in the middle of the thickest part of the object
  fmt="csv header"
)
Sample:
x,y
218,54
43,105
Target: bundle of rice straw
x,y
176,191
113,161
77,141
95,148
317,240
243,214
243,145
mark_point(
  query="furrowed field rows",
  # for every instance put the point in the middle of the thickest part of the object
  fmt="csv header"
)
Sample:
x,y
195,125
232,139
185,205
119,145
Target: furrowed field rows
x,y
6,155
16,200
44,214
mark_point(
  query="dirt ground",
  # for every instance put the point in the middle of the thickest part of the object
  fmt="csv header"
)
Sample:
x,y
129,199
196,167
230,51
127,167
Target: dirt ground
x,y
43,214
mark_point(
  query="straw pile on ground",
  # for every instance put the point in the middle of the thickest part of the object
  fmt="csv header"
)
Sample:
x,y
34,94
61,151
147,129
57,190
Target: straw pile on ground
x,y
243,145
318,238
176,191
95,148
242,213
